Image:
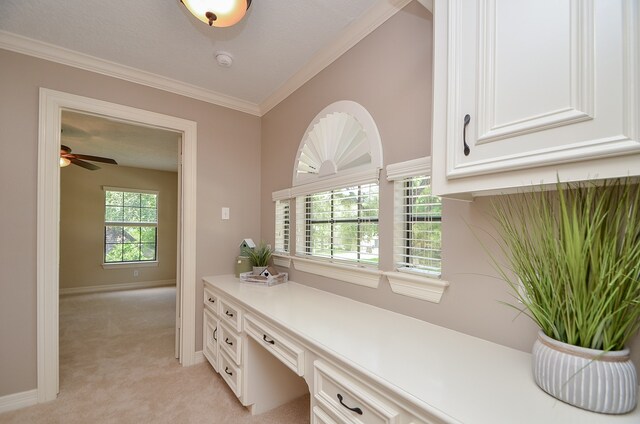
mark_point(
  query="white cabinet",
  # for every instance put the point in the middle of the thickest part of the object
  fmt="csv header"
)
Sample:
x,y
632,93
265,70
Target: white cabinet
x,y
348,401
536,90
364,365
210,338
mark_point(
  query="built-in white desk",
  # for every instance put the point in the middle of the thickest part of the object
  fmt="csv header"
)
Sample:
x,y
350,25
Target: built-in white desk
x,y
363,364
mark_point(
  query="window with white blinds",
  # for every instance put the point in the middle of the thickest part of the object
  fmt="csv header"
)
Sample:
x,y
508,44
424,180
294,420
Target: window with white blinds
x,y
418,226
283,220
339,225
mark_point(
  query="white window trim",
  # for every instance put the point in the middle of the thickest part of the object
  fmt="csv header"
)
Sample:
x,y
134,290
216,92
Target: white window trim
x,y
281,260
410,282
131,190
142,264
115,265
418,286
359,275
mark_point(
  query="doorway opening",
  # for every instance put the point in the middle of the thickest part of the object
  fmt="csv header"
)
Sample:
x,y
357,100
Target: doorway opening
x,y
52,106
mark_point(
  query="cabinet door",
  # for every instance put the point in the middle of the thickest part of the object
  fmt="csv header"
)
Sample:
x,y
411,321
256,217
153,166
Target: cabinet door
x,y
210,338
544,83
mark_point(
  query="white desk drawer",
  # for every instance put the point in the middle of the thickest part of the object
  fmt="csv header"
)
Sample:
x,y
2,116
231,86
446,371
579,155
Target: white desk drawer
x,y
211,301
231,373
348,400
321,417
230,342
280,346
230,314
210,338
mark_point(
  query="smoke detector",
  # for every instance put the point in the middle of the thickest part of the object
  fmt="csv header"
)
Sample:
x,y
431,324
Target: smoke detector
x,y
224,59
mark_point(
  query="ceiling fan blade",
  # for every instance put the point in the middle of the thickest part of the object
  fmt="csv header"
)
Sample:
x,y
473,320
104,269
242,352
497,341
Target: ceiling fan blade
x,y
96,158
83,164
65,149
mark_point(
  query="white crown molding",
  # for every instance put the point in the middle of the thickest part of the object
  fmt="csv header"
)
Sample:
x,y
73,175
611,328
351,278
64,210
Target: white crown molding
x,y
18,400
352,35
53,53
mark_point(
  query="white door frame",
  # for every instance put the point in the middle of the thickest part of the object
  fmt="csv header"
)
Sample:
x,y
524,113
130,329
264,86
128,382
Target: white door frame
x,y
48,230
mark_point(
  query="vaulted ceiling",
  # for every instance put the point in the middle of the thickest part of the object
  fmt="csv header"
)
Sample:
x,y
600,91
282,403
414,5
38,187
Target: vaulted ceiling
x,y
277,47
270,46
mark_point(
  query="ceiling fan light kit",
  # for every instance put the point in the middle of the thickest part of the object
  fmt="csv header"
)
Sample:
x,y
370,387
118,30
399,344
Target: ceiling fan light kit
x,y
67,158
218,13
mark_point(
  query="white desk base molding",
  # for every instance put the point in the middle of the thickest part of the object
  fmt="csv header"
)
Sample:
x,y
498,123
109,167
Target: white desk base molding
x,y
364,364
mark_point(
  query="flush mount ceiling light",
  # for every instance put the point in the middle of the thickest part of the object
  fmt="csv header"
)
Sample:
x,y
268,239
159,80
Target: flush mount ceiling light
x,y
218,13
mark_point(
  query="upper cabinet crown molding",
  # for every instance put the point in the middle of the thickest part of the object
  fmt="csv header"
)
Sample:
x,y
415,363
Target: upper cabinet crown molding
x,y
526,93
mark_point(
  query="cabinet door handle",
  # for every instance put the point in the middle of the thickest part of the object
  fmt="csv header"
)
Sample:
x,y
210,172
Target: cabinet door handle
x,y
226,369
215,337
467,119
212,300
356,410
264,337
226,340
229,314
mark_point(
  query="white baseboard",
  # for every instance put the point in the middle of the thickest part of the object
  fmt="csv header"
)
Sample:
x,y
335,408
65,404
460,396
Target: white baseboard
x,y
116,287
18,400
198,357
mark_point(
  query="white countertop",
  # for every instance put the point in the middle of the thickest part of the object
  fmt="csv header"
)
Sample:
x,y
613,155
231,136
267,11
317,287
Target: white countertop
x,y
447,373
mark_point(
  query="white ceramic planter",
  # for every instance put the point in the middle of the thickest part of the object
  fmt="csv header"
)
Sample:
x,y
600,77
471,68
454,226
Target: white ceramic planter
x,y
587,378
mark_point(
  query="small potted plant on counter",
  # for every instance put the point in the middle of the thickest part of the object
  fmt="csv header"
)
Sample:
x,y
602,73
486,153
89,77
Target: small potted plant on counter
x,y
259,257
574,265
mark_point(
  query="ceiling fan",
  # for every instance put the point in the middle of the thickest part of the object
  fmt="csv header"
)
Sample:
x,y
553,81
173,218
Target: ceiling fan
x,y
67,158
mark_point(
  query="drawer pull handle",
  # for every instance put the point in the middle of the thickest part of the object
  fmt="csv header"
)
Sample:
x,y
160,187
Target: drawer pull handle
x,y
467,119
229,314
226,369
212,300
264,337
215,334
226,340
356,410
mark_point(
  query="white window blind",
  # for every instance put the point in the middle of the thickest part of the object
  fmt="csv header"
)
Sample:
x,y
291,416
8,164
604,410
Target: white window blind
x,y
282,236
417,226
340,225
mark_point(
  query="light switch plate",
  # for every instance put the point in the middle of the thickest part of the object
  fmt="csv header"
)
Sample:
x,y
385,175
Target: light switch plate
x,y
225,213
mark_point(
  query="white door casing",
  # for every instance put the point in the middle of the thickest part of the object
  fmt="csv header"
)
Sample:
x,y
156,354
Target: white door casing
x,y
48,216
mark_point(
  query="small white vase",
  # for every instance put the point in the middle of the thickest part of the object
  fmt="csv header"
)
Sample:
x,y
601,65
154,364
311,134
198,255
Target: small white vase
x,y
590,379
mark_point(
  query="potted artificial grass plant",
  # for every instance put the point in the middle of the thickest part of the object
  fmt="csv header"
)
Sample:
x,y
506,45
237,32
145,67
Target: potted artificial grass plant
x,y
574,264
259,257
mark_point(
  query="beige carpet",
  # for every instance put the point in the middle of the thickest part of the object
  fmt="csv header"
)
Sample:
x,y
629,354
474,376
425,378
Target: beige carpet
x,y
117,366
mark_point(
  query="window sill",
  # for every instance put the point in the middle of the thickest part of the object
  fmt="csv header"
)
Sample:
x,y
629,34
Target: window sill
x,y
351,274
282,260
117,265
417,286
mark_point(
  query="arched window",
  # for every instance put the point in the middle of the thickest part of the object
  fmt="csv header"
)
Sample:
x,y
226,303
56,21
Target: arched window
x,y
341,145
335,183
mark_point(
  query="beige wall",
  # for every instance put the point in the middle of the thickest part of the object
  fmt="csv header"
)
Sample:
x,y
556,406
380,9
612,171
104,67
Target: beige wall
x,y
389,73
82,224
228,175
